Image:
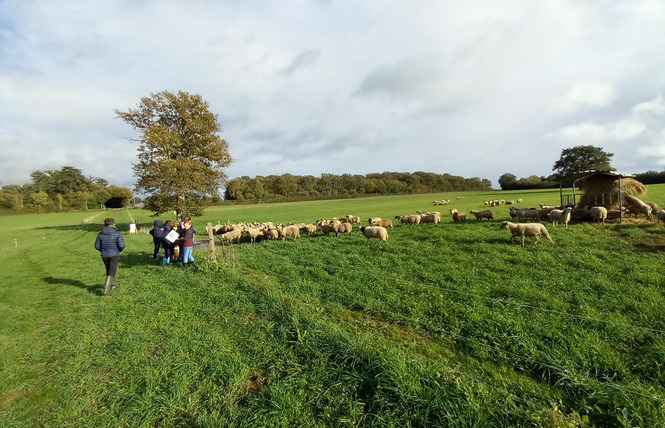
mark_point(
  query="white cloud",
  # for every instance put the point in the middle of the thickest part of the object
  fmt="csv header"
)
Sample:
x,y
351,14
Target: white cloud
x,y
446,86
584,95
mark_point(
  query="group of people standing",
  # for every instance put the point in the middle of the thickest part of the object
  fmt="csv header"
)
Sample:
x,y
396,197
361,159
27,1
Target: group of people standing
x,y
177,241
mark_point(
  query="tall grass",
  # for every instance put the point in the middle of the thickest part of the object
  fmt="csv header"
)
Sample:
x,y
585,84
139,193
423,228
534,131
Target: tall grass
x,y
442,325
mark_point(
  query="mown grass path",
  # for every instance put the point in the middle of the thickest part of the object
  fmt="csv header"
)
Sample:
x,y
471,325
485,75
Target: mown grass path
x,y
444,325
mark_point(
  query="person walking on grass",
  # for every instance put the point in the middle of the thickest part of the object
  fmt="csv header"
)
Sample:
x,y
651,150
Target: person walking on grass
x,y
156,233
187,242
110,243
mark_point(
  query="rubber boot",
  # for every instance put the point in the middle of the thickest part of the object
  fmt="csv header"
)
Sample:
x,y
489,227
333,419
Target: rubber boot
x,y
107,285
114,284
165,261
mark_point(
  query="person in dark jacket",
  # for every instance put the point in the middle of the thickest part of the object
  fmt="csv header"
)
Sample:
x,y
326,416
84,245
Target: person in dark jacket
x,y
166,244
187,242
110,243
156,233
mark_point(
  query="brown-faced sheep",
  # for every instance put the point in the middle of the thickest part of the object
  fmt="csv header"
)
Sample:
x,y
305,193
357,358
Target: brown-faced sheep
x,y
483,214
526,229
376,232
353,218
457,215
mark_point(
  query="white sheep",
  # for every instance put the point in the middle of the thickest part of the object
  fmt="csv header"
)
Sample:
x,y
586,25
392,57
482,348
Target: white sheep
x,y
373,220
339,227
232,235
409,219
599,214
526,229
660,215
384,223
376,232
636,206
291,230
353,218
561,216
430,218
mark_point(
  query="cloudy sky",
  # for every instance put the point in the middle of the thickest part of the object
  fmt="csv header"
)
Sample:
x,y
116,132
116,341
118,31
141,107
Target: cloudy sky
x,y
471,88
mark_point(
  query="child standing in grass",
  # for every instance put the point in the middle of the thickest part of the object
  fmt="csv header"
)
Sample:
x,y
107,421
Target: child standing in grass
x,y
156,233
187,242
110,243
168,245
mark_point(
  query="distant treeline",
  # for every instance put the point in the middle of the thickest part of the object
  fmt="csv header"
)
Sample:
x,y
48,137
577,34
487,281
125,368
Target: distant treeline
x,y
66,189
509,181
302,187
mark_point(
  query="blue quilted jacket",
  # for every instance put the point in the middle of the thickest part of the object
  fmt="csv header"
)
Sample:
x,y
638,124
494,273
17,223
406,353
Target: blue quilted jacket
x,y
110,242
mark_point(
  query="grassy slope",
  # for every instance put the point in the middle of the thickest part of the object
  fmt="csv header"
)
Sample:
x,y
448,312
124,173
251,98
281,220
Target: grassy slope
x,y
443,324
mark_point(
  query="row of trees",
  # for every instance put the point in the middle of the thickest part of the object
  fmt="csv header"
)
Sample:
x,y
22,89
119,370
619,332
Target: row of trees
x,y
66,189
573,161
287,186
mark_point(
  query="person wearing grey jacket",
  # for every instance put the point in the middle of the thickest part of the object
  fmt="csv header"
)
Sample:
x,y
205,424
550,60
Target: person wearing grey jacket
x,y
110,243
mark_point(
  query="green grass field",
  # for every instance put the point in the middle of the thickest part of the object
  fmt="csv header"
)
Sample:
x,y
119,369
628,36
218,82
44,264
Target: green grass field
x,y
443,325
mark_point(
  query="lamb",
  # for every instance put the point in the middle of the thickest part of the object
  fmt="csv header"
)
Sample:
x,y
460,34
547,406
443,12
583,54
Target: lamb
x,y
483,214
526,229
377,232
561,216
636,206
598,214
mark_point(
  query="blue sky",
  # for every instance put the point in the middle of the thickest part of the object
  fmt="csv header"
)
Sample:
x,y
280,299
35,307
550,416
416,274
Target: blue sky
x,y
470,88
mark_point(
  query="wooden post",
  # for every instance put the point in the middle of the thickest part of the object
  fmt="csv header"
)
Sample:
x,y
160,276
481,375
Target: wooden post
x,y
211,244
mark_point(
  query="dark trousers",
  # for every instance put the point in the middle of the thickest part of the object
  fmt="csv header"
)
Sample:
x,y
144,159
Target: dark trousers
x,y
157,247
111,264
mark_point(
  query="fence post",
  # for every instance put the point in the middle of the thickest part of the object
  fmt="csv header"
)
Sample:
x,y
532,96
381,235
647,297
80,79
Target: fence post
x,y
211,244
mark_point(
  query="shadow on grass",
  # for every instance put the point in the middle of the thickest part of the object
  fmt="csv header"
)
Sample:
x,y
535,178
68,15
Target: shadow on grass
x,y
95,288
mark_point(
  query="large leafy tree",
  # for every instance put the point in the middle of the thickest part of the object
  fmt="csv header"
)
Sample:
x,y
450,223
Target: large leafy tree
x,y
181,157
582,158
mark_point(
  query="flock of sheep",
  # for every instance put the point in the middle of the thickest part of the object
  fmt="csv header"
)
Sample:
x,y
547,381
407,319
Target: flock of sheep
x,y
525,222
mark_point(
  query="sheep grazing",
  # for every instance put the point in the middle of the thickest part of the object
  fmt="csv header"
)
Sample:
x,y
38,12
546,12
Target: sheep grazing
x,y
561,216
384,223
409,219
373,220
598,214
339,227
353,218
526,229
529,213
376,232
232,235
660,216
483,214
457,215
430,218
636,206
